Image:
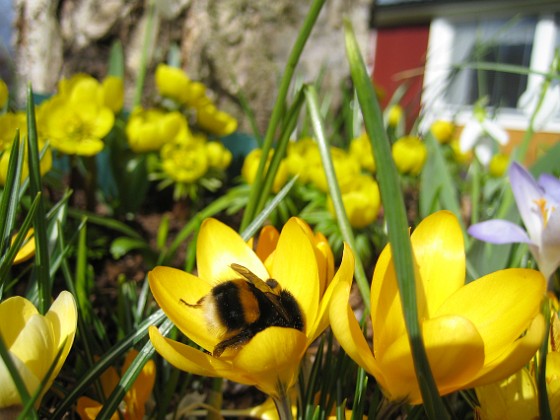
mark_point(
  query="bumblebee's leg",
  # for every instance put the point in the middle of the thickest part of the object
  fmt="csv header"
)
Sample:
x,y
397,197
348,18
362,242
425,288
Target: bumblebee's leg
x,y
196,305
236,341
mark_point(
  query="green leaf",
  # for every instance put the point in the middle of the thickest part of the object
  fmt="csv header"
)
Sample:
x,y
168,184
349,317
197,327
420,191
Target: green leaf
x,y
393,203
123,245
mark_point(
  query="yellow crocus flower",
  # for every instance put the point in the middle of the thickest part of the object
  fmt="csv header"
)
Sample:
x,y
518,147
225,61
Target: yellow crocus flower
x,y
34,341
269,359
474,334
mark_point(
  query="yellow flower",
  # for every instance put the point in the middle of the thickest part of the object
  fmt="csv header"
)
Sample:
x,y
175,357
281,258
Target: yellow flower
x,y
409,154
9,123
443,131
184,161
459,156
360,149
474,334
149,129
77,119
394,115
27,249
251,164
214,121
172,82
3,94
498,165
345,169
34,341
134,401
361,201
301,156
270,358
218,156
112,90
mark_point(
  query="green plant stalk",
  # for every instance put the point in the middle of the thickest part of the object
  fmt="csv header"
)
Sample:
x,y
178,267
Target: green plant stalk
x,y
128,378
475,191
40,220
139,87
397,224
334,191
278,110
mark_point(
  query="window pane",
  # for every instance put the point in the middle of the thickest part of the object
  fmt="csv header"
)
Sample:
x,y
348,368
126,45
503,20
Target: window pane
x,y
491,41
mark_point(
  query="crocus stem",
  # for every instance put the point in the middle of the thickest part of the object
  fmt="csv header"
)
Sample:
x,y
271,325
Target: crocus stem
x,y
283,406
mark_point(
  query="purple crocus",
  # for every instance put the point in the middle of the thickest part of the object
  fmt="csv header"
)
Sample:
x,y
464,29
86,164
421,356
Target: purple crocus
x,y
539,206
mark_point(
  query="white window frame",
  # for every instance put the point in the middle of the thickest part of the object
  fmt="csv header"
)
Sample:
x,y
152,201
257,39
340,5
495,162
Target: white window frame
x,y
439,65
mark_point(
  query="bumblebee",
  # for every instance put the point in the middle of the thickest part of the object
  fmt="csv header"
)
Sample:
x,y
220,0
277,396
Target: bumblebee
x,y
238,309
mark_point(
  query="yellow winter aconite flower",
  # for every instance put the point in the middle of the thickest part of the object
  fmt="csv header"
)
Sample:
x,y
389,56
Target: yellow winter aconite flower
x,y
361,201
409,154
134,401
173,82
77,119
34,341
9,124
474,334
185,161
459,156
360,149
3,94
394,115
443,131
112,89
269,358
216,122
345,168
218,156
302,155
149,129
498,165
251,164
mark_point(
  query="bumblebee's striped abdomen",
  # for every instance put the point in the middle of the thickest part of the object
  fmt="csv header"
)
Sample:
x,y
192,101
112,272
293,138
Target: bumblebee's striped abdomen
x,y
235,304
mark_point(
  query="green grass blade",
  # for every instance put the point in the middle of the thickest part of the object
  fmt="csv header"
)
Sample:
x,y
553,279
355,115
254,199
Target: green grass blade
x,y
279,106
116,60
40,221
393,203
334,190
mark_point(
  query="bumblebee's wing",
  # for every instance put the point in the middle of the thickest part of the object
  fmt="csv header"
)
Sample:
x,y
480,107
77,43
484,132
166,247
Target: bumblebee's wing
x,y
269,292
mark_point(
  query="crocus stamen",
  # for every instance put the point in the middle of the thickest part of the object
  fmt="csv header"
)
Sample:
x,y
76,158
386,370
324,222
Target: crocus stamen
x,y
541,204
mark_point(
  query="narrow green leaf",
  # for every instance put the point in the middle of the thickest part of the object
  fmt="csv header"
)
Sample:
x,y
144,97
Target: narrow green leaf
x,y
40,221
393,203
279,106
116,60
334,191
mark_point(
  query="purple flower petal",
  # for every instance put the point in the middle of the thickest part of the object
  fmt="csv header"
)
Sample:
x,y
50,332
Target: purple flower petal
x,y
526,192
551,186
499,232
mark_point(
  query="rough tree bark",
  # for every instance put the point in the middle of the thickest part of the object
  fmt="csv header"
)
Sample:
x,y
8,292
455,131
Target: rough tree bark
x,y
231,46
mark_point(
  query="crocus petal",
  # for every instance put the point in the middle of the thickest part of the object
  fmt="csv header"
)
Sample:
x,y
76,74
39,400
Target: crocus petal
x,y
499,232
272,359
498,321
514,356
300,276
553,381
440,254
551,186
348,332
9,394
218,247
268,238
169,286
63,316
88,408
189,359
526,191
514,398
35,345
18,310
455,351
344,274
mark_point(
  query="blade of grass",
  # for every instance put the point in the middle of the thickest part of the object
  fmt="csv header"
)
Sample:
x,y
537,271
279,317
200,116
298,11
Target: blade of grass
x,y
393,203
40,221
334,190
278,110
